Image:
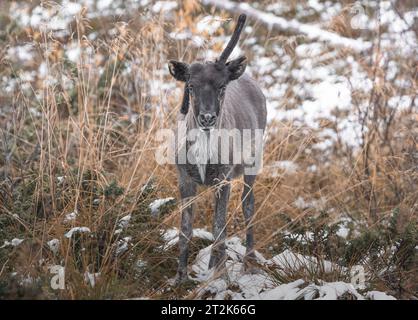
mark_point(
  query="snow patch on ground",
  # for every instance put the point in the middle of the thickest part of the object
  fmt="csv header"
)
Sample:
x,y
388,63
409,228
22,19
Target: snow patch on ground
x,y
238,284
295,261
14,243
70,233
71,216
377,295
122,245
123,223
171,236
156,204
53,245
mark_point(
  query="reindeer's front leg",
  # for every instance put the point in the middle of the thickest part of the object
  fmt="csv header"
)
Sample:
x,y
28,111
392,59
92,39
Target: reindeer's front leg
x,y
187,191
218,256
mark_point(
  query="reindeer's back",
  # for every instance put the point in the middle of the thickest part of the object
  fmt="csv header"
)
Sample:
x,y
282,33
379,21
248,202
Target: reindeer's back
x,y
246,103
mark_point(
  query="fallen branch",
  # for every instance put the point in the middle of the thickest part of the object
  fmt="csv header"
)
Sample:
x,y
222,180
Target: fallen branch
x,y
312,32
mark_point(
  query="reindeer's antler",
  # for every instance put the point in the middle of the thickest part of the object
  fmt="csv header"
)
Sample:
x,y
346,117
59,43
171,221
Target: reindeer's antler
x,y
234,39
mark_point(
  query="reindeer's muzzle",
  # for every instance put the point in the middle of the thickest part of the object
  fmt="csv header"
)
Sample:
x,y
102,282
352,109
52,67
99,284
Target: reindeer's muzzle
x,y
206,120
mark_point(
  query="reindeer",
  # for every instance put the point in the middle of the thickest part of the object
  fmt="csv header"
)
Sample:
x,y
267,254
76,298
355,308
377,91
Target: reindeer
x,y
217,95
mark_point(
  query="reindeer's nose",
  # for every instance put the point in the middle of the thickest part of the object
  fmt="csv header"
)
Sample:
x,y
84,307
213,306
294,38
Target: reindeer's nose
x,y
207,119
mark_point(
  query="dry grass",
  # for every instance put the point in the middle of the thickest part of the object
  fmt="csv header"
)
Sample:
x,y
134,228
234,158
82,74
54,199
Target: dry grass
x,y
99,135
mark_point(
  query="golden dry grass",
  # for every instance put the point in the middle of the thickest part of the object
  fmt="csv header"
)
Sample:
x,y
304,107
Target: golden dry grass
x,y
85,134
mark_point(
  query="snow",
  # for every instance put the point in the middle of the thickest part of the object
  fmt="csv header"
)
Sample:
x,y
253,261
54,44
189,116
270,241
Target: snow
x,y
156,204
265,65
329,291
124,221
323,83
312,32
71,8
345,226
54,245
301,238
171,236
23,53
202,234
278,7
184,35
103,4
60,179
250,284
162,6
73,53
288,291
377,295
327,95
53,17
14,243
71,216
70,233
295,261
400,102
319,89
263,285
343,232
122,245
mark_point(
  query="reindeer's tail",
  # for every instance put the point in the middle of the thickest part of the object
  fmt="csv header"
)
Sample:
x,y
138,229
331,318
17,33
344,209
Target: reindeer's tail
x,y
234,39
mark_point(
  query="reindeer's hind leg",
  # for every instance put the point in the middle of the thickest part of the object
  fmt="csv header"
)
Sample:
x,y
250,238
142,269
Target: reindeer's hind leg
x,y
187,191
248,209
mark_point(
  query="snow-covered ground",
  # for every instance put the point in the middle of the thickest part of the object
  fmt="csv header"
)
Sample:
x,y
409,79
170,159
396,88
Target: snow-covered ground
x,y
262,284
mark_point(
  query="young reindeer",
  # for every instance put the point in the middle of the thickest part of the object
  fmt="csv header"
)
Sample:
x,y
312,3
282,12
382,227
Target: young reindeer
x,y
221,97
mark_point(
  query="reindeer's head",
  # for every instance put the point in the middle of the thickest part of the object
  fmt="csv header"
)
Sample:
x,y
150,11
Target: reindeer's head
x,y
205,83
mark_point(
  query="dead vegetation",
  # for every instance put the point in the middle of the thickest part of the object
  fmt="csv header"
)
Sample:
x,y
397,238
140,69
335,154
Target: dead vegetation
x,y
78,136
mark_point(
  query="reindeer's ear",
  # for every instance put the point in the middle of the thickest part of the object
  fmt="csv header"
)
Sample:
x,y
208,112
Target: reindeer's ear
x,y
236,67
179,70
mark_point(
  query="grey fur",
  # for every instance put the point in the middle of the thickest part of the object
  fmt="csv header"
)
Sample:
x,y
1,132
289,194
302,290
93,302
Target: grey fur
x,y
238,103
